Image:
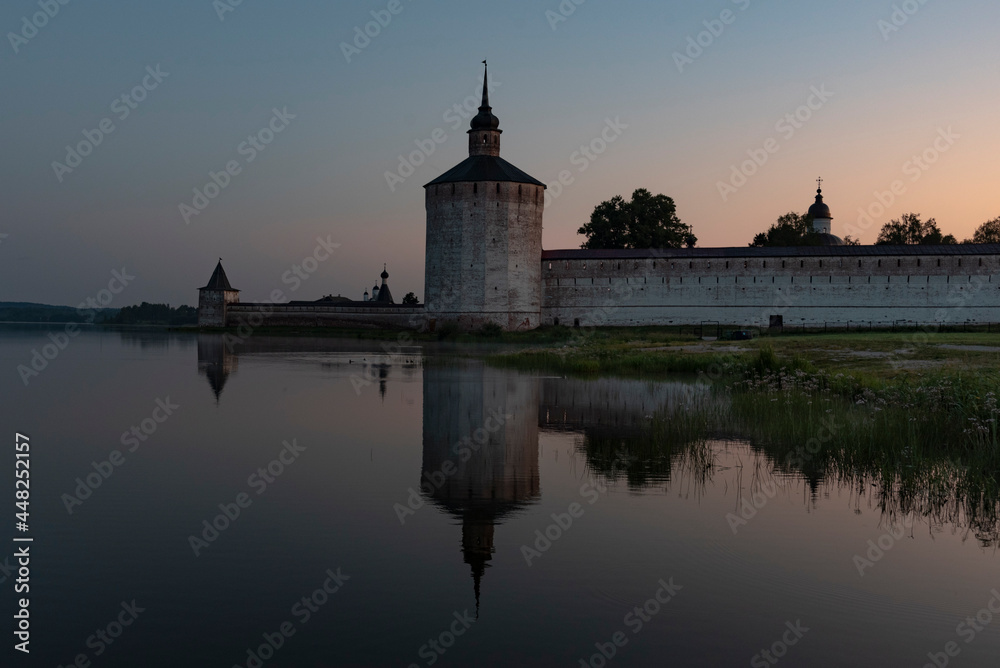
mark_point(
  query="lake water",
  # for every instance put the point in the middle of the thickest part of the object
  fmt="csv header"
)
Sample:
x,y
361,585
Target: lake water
x,y
456,514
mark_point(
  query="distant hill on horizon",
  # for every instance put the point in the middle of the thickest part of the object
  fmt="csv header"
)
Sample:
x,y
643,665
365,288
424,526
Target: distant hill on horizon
x,y
139,314
30,305
33,312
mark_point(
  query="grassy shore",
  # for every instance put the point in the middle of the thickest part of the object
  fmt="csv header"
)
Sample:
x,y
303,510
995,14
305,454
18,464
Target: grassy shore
x,y
652,352
913,414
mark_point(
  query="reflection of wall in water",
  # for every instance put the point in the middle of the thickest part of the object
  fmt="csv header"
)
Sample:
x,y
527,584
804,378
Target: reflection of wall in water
x,y
218,357
608,406
614,416
502,476
215,361
156,339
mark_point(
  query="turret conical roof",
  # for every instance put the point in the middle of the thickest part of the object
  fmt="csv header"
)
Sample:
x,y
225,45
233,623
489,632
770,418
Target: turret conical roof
x,y
219,280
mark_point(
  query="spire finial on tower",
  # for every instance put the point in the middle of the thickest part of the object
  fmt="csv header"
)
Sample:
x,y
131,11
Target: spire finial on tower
x,y
484,130
819,185
486,87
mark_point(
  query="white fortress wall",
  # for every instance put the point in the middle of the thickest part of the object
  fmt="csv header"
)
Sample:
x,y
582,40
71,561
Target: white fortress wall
x,y
869,285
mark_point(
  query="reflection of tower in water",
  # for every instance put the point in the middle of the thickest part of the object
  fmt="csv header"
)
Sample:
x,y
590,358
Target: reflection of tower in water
x,y
215,361
480,459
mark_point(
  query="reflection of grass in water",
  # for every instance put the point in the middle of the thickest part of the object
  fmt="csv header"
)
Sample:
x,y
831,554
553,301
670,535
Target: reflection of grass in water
x,y
930,447
652,453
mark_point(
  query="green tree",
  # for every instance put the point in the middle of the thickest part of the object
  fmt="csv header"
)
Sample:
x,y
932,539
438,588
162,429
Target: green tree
x,y
987,233
909,230
791,229
410,298
155,314
647,221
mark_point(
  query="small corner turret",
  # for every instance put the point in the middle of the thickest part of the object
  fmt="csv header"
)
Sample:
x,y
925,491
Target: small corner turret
x,y
214,298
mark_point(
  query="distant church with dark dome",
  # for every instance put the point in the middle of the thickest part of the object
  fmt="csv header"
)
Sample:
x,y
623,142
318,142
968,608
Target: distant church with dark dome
x,y
380,293
485,265
822,221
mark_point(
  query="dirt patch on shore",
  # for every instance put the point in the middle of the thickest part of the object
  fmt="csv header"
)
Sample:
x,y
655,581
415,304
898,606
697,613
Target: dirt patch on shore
x,y
696,348
971,349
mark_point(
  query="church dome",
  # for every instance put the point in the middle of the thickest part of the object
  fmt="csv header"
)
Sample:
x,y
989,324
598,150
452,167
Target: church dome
x,y
385,274
823,239
819,209
485,120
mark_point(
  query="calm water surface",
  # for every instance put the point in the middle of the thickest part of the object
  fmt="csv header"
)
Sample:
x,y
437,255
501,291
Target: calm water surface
x,y
427,486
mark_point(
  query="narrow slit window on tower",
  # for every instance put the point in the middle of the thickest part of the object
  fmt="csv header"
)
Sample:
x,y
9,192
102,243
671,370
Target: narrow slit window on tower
x,y
498,189
859,263
802,263
959,262
899,263
486,139
475,188
918,261
452,188
880,263
980,262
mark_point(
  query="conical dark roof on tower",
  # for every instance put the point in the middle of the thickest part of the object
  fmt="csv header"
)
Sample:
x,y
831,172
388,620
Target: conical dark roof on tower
x,y
219,280
484,168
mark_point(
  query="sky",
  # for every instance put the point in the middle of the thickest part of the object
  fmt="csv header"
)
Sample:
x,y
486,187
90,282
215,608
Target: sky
x,y
894,104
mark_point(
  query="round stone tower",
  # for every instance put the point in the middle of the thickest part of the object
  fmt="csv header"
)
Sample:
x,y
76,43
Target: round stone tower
x,y
484,237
